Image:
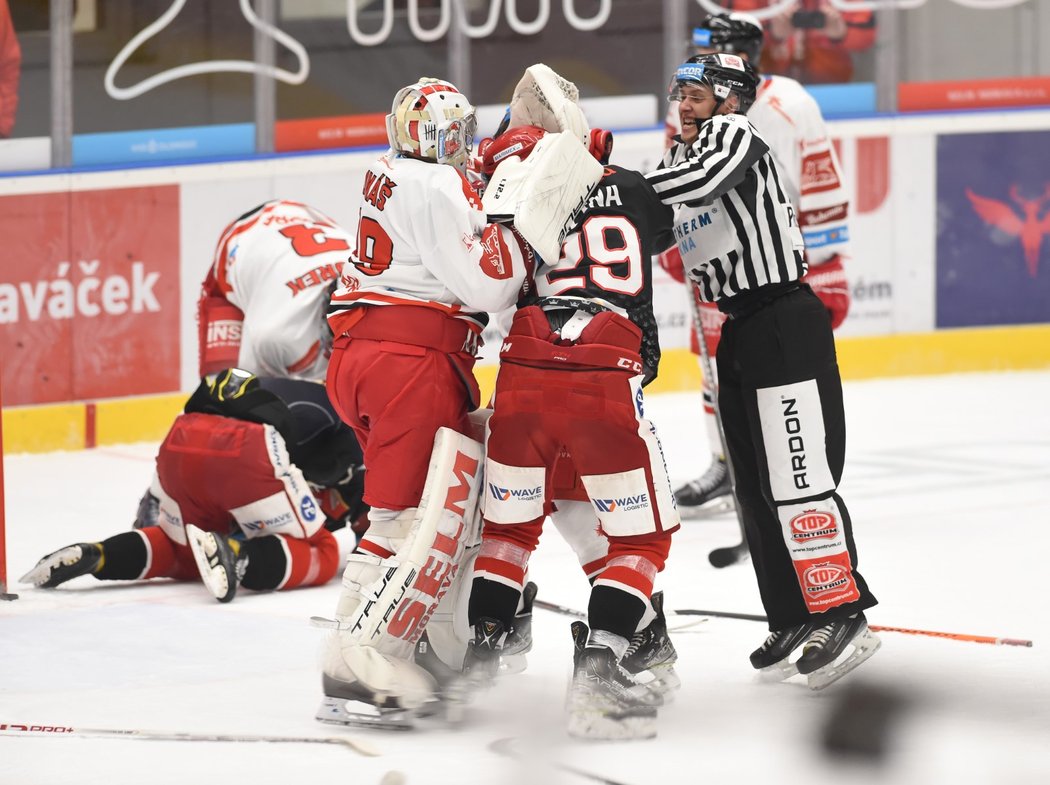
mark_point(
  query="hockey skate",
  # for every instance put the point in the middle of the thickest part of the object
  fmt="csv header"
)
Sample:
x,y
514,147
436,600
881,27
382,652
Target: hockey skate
x,y
772,657
349,704
64,564
604,701
711,494
519,641
481,663
835,649
220,567
148,511
651,657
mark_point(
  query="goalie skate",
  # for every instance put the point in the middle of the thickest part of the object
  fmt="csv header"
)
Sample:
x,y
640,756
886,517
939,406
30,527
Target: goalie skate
x,y
354,713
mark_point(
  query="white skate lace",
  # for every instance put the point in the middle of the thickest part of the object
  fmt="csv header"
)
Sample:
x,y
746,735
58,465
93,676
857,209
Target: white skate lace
x,y
820,637
770,640
636,643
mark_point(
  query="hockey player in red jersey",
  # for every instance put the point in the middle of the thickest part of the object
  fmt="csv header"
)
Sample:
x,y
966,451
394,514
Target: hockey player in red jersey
x,y
249,480
580,348
790,121
262,305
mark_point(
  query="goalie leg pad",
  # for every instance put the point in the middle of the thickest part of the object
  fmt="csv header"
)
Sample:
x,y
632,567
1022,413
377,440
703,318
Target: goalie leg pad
x,y
387,603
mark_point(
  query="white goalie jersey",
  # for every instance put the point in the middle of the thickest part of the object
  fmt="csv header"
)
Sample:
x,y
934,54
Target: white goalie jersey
x,y
423,240
790,122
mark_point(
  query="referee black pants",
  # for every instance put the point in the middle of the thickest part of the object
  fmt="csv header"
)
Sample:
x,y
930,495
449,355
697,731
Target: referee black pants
x,y
780,401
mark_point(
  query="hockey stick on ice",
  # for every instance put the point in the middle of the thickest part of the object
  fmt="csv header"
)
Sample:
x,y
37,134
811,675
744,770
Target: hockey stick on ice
x,y
719,557
955,636
65,731
505,747
564,610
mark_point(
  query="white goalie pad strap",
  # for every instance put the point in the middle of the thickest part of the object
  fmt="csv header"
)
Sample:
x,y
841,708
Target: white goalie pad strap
x,y
397,606
449,630
544,99
545,193
388,677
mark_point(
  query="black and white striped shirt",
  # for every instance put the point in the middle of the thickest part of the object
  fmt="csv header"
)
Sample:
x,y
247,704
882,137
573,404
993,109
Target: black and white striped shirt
x,y
734,224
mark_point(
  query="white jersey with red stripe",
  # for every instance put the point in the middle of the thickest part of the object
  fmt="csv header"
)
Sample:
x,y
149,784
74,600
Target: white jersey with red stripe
x,y
276,264
789,120
423,240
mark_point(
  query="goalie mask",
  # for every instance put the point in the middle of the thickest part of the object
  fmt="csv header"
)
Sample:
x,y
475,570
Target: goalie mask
x,y
724,74
433,121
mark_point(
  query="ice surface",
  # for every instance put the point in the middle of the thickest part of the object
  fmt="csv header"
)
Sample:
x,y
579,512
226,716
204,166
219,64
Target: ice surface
x,y
947,481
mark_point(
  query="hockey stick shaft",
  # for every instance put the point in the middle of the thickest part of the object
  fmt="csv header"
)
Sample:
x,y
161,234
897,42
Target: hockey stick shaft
x,y
67,731
734,553
955,636
506,748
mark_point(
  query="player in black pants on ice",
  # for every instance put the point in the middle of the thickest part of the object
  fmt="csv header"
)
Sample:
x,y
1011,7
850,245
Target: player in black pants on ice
x,y
780,395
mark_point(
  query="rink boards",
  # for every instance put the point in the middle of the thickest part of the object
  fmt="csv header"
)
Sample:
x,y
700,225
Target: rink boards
x,y
949,271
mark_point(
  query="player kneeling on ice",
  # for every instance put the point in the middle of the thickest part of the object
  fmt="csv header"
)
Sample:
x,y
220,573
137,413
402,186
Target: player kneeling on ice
x,y
263,302
250,481
581,346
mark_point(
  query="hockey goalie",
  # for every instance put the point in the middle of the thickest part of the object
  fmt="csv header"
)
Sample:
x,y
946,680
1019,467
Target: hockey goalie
x,y
429,264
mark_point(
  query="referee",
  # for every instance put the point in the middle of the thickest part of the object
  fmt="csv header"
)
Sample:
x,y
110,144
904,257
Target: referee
x,y
780,395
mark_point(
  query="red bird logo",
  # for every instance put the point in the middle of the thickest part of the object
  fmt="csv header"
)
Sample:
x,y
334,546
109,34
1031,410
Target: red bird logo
x,y
1030,228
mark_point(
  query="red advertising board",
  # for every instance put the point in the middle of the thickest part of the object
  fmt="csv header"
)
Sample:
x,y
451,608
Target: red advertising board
x,y
974,94
363,130
89,294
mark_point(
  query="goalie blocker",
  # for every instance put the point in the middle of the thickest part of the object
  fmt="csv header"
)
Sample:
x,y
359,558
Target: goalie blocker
x,y
545,194
369,676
